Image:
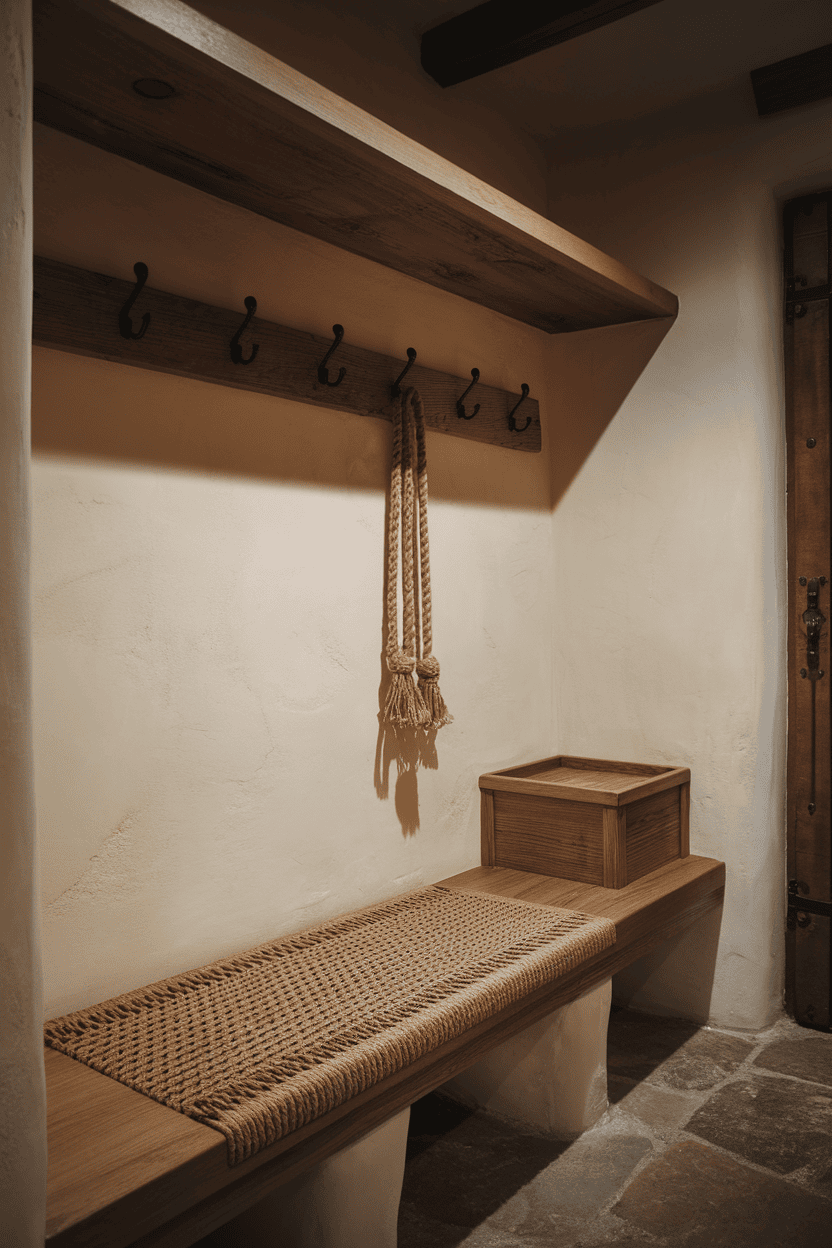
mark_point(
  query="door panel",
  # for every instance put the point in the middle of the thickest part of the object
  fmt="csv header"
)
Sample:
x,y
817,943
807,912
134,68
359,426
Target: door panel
x,y
809,787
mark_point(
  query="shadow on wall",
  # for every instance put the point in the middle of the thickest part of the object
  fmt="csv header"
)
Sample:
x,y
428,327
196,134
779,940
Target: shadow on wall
x,y
121,414
85,408
593,373
409,749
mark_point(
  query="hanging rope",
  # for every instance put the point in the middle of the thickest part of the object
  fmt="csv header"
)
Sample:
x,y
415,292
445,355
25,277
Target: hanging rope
x,y
409,705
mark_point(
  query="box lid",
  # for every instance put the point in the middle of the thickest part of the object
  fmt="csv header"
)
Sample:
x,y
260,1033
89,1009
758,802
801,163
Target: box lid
x,y
601,781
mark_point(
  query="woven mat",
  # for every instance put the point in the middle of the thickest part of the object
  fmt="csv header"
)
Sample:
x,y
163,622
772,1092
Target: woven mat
x,y
260,1044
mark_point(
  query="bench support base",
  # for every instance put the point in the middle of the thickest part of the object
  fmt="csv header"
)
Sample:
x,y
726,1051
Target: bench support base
x,y
351,1200
551,1077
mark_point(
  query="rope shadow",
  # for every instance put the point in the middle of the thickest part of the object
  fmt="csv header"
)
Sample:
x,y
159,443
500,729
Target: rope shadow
x,y
409,749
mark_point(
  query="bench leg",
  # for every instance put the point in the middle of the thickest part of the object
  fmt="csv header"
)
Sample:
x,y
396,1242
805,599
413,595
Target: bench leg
x,y
350,1200
552,1076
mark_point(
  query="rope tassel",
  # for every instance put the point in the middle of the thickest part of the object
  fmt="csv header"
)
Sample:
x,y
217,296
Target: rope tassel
x,y
428,672
405,705
410,705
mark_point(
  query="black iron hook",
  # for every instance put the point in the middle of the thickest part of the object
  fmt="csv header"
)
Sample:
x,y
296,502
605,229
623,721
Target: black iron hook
x,y
511,422
124,323
236,349
323,371
397,384
460,410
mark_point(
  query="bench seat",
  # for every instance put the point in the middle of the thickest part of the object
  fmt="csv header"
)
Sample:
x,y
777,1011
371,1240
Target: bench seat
x,y
125,1170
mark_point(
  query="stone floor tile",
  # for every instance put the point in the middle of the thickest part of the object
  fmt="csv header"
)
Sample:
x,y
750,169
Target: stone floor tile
x,y
432,1117
610,1229
671,1052
462,1167
808,1058
662,1110
694,1197
580,1182
423,1232
823,1183
417,1230
485,1237
558,1229
771,1121
559,1205
473,1180
562,1232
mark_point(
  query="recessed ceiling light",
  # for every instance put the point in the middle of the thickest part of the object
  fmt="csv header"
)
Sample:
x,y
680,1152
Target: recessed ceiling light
x,y
153,89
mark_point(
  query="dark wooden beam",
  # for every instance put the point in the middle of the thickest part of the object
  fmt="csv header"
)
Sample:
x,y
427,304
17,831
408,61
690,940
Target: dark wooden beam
x,y
76,310
798,80
502,31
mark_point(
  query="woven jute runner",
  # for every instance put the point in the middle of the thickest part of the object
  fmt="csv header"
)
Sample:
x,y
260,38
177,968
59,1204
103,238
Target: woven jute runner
x,y
260,1044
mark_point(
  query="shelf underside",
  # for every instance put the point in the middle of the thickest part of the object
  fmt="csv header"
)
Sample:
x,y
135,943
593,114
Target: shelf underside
x,y
243,126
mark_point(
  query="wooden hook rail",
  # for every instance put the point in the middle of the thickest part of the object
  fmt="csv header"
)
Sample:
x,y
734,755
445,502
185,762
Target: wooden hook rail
x,y
76,310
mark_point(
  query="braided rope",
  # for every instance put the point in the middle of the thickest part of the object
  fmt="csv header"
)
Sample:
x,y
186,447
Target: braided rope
x,y
409,609
409,705
427,666
394,517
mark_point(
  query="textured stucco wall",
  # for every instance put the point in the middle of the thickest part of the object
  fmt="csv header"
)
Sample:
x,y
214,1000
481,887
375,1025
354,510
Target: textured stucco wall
x,y
208,570
670,557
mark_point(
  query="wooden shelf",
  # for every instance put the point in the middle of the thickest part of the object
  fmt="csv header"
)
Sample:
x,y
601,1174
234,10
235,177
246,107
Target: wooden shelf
x,y
243,126
125,1170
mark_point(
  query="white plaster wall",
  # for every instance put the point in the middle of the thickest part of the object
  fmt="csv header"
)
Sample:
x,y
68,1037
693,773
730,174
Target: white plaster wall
x,y
208,570
669,622
22,1090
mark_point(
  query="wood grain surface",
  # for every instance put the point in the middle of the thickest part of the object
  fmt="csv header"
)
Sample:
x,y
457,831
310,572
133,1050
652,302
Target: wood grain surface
x,y
809,538
586,780
487,842
124,1170
653,833
808,269
243,126
549,836
614,846
76,310
684,820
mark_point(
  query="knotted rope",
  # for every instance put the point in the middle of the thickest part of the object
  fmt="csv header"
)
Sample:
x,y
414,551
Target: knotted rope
x,y
408,705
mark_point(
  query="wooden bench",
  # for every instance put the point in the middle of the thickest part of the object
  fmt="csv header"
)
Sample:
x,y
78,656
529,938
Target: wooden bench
x,y
125,1170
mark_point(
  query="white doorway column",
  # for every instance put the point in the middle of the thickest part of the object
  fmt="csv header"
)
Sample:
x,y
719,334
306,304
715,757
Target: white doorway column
x,y
22,1094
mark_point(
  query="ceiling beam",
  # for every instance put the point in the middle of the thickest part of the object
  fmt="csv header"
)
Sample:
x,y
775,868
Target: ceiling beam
x,y
502,31
798,80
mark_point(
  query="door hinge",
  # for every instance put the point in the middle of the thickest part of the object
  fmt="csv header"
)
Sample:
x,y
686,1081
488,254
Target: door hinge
x,y
801,907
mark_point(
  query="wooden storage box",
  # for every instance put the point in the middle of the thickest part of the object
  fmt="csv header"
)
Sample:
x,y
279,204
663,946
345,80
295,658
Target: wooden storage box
x,y
585,819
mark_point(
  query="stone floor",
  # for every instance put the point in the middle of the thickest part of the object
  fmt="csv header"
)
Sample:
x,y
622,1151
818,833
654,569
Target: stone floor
x,y
713,1139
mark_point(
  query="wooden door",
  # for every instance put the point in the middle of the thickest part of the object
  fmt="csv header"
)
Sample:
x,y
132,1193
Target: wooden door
x,y
809,786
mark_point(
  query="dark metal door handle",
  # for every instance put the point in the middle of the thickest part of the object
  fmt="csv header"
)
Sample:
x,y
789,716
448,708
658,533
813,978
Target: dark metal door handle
x,y
814,619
